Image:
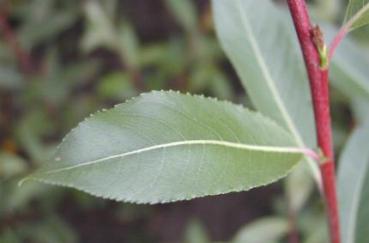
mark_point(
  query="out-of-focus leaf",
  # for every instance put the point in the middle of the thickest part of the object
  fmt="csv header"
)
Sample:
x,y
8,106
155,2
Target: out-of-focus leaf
x,y
298,189
340,104
11,165
312,223
154,148
195,233
204,49
9,236
116,86
272,81
326,9
264,230
74,114
37,13
318,234
110,7
221,86
6,54
50,87
79,72
32,34
29,133
357,13
170,58
128,45
185,13
50,230
100,30
16,199
10,78
353,187
361,110
209,77
58,80
153,54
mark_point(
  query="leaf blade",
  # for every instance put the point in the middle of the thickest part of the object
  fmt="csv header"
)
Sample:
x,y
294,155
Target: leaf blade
x,y
272,82
357,14
353,178
169,173
261,52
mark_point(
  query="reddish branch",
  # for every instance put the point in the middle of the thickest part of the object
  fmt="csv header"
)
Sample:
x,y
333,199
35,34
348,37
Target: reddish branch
x,y
337,40
293,236
22,56
318,77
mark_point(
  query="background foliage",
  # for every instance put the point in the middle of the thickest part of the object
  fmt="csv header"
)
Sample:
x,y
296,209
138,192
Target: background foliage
x,y
62,60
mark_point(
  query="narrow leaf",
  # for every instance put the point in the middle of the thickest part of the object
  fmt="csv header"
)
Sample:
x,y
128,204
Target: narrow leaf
x,y
353,185
165,146
349,67
259,39
357,14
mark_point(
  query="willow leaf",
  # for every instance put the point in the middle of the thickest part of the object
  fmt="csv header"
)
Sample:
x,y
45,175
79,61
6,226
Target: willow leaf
x,y
353,186
259,39
166,146
357,14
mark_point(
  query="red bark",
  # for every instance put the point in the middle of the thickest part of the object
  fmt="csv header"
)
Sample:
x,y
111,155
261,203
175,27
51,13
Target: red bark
x,y
319,85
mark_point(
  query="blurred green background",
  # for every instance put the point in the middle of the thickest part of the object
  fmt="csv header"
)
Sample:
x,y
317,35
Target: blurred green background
x,y
61,60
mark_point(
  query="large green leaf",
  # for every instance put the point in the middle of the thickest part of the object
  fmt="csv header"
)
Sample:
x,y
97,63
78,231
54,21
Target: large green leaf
x,y
357,13
184,12
165,146
353,185
259,39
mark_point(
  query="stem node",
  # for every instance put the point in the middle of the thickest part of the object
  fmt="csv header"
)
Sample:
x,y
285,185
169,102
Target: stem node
x,y
316,59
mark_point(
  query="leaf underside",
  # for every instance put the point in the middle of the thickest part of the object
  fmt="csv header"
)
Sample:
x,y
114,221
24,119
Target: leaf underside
x,y
357,13
353,187
166,146
260,41
349,66
273,76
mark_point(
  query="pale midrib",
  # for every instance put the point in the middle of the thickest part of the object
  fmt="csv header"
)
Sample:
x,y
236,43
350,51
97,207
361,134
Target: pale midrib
x,y
273,89
258,148
268,78
356,17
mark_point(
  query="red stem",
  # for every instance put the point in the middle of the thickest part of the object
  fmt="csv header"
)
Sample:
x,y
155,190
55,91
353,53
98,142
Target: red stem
x,y
293,236
337,40
319,86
